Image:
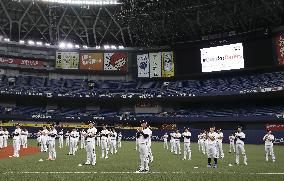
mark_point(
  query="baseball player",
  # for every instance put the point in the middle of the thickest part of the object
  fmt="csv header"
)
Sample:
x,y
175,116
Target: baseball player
x,y
109,139
67,138
232,143
90,145
204,142
98,139
149,144
61,138
17,141
219,145
240,145
44,138
1,138
38,138
77,135
186,149
268,146
25,134
82,140
211,147
119,137
199,141
73,140
172,141
143,135
6,136
165,138
113,136
136,141
51,143
177,143
104,139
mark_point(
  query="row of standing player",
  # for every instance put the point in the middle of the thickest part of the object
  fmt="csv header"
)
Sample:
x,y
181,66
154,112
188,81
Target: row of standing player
x,y
46,139
211,143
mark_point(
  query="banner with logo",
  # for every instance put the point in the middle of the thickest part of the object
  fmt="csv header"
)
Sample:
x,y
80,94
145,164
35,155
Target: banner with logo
x,y
26,62
279,46
91,61
275,127
143,65
168,67
67,60
155,64
115,61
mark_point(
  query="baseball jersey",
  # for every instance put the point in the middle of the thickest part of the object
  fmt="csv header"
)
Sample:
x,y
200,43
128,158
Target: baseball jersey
x,y
186,137
232,139
240,137
17,133
219,137
44,132
268,138
203,136
6,133
104,134
119,136
91,132
214,136
52,134
177,136
113,135
2,133
60,133
165,137
143,139
73,134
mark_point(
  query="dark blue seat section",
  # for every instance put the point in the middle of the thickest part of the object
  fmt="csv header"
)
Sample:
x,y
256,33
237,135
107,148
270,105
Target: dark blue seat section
x,y
144,89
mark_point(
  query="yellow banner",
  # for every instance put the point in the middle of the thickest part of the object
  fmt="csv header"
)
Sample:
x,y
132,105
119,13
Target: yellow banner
x,y
168,66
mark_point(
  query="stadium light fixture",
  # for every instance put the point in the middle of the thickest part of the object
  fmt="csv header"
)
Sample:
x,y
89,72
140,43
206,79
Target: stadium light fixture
x,y
47,44
120,47
7,39
69,45
82,2
31,42
22,42
98,47
62,45
39,43
77,46
113,47
106,47
85,47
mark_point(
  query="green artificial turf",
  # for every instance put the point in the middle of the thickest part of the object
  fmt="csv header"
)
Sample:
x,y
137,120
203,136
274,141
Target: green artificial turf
x,y
122,166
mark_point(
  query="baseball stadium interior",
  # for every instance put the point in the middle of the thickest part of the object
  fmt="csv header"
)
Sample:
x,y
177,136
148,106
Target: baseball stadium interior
x,y
118,63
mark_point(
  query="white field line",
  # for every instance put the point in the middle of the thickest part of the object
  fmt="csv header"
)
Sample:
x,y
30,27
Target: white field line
x,y
264,173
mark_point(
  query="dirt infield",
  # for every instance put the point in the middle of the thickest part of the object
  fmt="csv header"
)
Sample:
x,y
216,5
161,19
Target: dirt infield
x,y
6,152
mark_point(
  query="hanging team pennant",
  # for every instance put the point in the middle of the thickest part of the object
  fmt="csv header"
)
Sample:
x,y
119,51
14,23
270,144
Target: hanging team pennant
x,y
143,65
168,68
155,64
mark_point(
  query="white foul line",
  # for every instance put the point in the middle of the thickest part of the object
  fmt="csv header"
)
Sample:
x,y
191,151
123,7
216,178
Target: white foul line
x,y
271,173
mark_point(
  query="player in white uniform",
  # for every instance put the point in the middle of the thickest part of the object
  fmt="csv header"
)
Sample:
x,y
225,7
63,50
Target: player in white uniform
x,y
151,157
172,141
73,140
199,141
1,138
61,138
143,135
25,134
119,137
219,145
77,135
82,140
211,147
232,143
204,142
177,143
113,136
268,146
136,142
38,138
6,136
90,145
44,138
104,138
240,145
109,139
17,141
51,143
186,149
165,138
98,139
67,138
